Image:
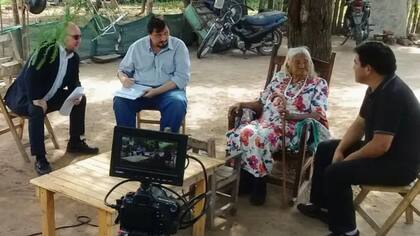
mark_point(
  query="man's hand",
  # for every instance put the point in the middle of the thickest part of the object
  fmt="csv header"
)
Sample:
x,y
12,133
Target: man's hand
x,y
77,101
41,103
236,110
338,156
150,92
127,82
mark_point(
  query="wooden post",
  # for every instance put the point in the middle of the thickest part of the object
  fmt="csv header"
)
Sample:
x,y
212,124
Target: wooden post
x,y
149,7
105,223
46,198
340,15
199,226
410,17
334,18
15,12
415,18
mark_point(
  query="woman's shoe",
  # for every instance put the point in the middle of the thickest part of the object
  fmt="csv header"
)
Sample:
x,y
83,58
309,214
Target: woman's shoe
x,y
259,191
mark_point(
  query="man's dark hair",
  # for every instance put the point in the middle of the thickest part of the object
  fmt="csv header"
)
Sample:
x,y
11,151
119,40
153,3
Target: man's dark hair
x,y
156,23
379,56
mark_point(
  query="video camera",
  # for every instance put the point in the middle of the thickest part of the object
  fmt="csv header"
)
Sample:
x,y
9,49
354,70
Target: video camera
x,y
153,158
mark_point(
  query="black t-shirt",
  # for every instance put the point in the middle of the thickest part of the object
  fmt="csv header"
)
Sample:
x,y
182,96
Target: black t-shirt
x,y
394,109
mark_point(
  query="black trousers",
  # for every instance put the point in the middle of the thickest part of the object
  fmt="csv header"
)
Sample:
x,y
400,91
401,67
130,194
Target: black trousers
x,y
331,183
36,120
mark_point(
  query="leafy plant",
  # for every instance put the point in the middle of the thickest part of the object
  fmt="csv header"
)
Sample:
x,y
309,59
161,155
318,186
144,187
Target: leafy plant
x,y
54,36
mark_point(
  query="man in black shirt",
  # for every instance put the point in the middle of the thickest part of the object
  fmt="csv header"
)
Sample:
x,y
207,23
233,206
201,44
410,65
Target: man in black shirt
x,y
389,120
43,86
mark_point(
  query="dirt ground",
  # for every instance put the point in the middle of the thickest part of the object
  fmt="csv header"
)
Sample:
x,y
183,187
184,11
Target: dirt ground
x,y
216,82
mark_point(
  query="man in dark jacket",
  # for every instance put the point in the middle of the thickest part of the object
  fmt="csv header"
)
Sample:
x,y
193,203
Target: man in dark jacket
x,y
42,87
389,121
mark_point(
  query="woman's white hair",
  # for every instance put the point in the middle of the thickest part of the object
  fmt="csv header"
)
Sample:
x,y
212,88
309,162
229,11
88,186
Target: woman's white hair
x,y
292,52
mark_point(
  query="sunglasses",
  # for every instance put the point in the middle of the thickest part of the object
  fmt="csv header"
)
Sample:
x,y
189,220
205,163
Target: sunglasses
x,y
76,36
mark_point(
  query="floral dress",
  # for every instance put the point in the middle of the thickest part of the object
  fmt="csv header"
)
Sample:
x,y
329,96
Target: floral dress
x,y
257,139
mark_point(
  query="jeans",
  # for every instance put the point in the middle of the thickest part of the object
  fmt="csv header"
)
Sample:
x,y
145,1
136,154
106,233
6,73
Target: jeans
x,y
171,104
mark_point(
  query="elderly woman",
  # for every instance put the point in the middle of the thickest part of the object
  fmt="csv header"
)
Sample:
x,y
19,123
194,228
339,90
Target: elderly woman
x,y
299,93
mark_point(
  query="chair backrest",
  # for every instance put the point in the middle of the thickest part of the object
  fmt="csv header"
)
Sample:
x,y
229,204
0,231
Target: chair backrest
x,y
10,60
141,120
196,145
323,68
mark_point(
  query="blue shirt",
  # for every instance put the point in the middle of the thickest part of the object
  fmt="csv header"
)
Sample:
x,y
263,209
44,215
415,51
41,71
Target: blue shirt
x,y
172,63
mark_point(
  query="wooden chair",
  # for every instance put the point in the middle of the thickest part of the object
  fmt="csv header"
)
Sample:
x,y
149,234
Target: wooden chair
x,y
295,167
223,184
10,60
9,69
17,128
141,120
408,193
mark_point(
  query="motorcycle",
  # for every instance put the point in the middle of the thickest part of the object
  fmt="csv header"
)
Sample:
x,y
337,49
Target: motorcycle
x,y
257,33
356,20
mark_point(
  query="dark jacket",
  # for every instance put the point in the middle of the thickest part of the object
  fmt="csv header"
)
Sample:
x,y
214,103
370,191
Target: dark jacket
x,y
32,83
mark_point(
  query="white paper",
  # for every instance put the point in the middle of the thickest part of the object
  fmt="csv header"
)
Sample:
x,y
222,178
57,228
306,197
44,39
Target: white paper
x,y
68,104
134,92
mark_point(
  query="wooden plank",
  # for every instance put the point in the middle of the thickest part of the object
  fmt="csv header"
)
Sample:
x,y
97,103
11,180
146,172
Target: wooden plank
x,y
105,223
55,185
417,28
67,181
410,17
5,59
85,180
11,125
95,192
11,68
341,16
46,199
415,18
390,221
335,15
4,38
199,226
95,175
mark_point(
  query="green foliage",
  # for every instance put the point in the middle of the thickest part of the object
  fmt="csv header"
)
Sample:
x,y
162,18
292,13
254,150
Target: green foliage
x,y
5,2
55,35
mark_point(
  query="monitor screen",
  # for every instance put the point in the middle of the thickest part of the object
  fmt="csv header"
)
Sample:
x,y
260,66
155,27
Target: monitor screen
x,y
148,155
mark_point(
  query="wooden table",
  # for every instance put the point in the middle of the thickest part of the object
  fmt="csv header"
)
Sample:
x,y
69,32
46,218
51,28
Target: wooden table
x,y
88,181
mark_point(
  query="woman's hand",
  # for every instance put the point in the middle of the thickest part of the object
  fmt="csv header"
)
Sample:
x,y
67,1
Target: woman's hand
x,y
315,115
279,101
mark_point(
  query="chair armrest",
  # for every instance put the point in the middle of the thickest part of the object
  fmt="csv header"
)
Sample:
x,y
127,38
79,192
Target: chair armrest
x,y
234,161
232,116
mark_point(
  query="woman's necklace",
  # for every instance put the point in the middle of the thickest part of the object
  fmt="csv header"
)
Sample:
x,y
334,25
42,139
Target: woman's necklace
x,y
297,94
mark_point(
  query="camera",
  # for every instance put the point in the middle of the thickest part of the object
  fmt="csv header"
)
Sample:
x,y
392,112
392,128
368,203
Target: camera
x,y
149,211
152,158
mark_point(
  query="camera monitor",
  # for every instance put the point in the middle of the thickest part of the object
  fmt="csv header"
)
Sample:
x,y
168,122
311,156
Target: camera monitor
x,y
148,156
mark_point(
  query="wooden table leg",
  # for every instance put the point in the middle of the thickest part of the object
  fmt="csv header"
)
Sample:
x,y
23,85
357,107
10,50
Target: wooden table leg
x,y
46,198
199,226
104,222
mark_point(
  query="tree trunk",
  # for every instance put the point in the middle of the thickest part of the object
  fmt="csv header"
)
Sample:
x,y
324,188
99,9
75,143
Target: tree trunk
x,y
149,7
310,25
15,12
